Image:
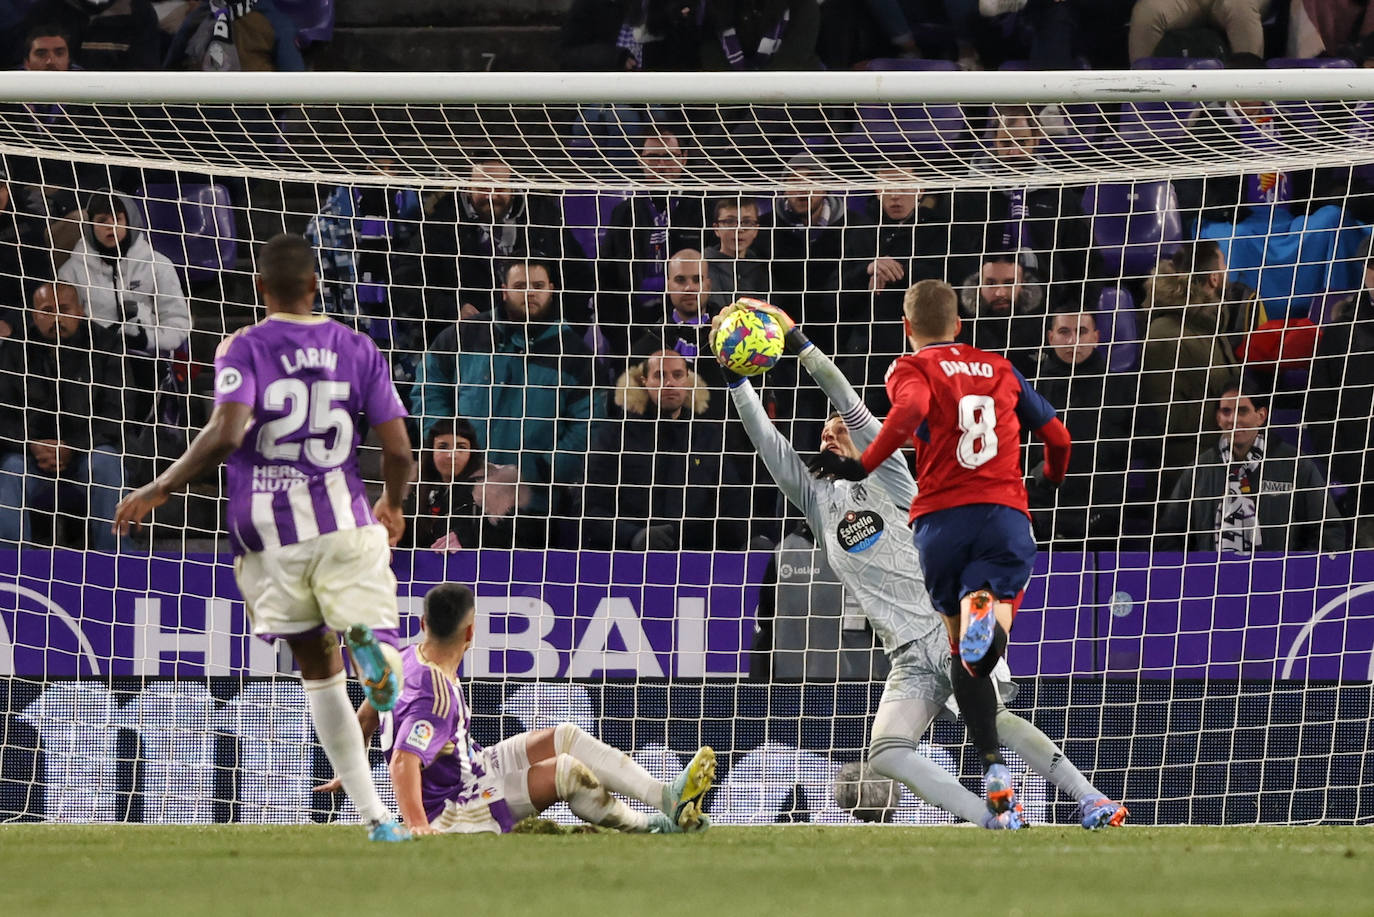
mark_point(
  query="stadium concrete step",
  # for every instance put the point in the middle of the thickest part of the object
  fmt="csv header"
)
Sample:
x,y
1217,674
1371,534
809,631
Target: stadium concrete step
x,y
432,48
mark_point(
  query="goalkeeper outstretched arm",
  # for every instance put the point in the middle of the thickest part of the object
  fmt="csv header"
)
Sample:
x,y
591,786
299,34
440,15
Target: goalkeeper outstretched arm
x,y
863,426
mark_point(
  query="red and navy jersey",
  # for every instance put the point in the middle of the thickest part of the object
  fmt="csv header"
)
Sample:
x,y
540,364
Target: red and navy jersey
x,y
964,409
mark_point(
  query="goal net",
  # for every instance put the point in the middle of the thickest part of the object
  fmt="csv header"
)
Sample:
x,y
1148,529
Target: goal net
x,y
538,256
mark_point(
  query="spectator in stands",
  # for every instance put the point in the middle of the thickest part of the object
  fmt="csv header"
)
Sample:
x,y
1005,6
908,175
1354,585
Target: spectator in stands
x,y
25,256
48,47
760,35
1043,226
220,35
1241,20
739,259
61,413
462,501
1003,309
451,267
1250,492
620,35
1340,403
658,479
1099,410
123,282
644,230
690,306
901,238
1188,351
522,377
358,234
105,35
960,17
808,229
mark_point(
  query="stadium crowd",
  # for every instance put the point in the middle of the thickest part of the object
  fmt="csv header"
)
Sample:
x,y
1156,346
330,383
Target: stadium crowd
x,y
553,350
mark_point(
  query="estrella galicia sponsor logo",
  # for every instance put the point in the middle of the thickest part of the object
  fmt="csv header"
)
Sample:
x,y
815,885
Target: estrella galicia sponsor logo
x,y
859,530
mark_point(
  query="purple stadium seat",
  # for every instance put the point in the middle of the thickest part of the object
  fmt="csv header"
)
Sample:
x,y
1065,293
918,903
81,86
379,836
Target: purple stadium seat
x,y
588,215
193,225
314,18
1134,225
1307,116
1118,329
899,129
1298,63
1161,122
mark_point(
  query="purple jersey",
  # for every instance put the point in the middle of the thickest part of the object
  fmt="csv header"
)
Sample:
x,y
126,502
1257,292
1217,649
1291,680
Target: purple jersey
x,y
308,380
431,720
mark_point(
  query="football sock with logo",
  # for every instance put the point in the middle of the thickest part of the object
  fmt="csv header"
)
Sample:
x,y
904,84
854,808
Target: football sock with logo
x,y
336,724
977,699
1041,754
616,770
588,799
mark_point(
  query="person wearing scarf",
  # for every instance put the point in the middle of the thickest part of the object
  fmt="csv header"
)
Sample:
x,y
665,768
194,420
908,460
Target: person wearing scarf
x,y
759,34
1250,492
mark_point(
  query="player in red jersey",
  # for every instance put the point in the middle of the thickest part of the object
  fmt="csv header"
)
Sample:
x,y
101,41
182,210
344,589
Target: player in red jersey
x,y
964,409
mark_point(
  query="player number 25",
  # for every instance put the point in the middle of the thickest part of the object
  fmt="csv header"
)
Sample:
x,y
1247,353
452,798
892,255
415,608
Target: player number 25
x,y
978,420
321,402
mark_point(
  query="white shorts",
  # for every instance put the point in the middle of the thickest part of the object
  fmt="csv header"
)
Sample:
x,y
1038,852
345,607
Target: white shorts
x,y
920,670
504,797
330,581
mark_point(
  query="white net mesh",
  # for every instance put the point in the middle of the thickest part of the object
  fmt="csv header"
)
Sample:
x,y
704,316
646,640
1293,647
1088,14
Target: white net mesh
x,y
638,571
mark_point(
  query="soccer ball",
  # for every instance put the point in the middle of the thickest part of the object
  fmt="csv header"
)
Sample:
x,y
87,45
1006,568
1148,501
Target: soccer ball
x,y
866,795
750,341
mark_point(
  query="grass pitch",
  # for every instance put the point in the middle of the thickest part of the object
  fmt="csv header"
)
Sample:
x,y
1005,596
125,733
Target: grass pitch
x,y
785,870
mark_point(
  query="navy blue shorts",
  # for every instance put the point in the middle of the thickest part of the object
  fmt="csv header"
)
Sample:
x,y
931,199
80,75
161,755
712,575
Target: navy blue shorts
x,y
967,548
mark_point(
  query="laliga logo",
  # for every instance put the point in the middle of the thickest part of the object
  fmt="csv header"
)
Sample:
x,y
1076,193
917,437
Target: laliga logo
x,y
48,611
1305,635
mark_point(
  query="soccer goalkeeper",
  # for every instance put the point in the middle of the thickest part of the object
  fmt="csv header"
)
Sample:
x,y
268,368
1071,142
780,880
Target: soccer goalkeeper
x,y
863,528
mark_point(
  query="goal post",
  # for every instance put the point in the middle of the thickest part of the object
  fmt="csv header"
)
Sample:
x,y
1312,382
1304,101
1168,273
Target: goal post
x,y
1204,654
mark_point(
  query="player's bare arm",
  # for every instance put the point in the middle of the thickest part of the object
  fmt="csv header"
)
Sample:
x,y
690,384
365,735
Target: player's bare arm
x,y
221,435
398,464
405,779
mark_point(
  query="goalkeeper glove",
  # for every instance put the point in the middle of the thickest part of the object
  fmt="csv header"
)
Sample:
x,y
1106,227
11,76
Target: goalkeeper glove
x,y
829,464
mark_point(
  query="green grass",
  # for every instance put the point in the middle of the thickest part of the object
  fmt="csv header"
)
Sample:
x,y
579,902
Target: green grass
x,y
740,872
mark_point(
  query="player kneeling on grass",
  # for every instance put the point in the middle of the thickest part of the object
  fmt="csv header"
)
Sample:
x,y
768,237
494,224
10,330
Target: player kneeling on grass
x,y
863,529
446,783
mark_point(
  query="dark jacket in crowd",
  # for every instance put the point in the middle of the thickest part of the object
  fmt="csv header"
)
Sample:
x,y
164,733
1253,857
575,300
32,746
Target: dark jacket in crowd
x,y
670,474
457,259
1340,408
71,390
1295,512
806,268
1097,407
634,256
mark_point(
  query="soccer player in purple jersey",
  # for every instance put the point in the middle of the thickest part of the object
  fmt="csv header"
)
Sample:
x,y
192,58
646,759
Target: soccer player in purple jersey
x,y
446,783
311,557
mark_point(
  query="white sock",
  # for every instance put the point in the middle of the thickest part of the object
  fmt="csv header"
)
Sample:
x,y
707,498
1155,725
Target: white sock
x,y
336,724
1043,756
616,770
897,729
897,757
588,799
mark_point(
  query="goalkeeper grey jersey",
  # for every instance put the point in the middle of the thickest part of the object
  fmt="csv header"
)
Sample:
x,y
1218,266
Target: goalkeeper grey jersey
x,y
861,525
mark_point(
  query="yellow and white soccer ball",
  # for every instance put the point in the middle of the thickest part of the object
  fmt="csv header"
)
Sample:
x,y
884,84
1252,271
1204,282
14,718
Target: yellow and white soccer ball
x,y
750,340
